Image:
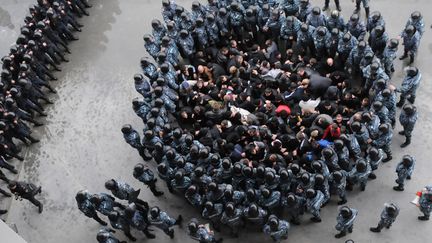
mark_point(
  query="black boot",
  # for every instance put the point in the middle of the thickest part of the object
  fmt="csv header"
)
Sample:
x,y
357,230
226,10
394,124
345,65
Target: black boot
x,y
389,157
340,235
411,99
343,201
376,229
338,6
401,101
316,219
372,176
326,5
357,9
398,188
367,12
411,59
402,132
3,211
423,218
407,142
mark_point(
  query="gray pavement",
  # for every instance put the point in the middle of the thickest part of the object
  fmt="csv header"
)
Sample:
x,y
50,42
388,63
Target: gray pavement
x,y
82,146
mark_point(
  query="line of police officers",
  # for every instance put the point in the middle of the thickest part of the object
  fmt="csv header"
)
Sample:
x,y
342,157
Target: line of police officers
x,y
26,74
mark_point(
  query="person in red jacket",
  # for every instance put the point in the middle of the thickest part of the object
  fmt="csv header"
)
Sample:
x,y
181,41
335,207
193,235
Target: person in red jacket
x,y
332,132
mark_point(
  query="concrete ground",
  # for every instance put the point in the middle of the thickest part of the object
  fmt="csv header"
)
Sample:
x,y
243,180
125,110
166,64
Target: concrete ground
x,y
82,146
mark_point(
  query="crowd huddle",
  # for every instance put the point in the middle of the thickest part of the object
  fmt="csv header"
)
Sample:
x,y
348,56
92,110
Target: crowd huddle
x,y
260,112
25,82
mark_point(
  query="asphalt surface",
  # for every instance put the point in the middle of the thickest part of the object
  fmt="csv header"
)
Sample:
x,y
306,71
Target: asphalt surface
x,y
82,146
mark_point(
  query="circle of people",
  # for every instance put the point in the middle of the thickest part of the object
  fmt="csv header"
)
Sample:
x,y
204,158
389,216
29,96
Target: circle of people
x,y
256,110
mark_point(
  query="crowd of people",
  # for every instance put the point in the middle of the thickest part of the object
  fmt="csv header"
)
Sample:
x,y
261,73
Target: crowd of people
x,y
25,78
255,110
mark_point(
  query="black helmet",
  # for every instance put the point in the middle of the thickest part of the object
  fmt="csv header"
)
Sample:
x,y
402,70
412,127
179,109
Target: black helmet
x,y
184,33
249,12
154,212
199,171
269,176
81,196
222,11
149,134
327,153
156,23
166,40
290,19
111,184
139,169
192,189
179,10
291,199
407,160
335,14
195,4
170,25
209,206
165,3
170,154
356,126
229,208
304,27
412,71
127,128
321,31
337,176
339,144
265,192
391,209
25,31
335,32
361,165
393,43
210,17
347,37
188,139
375,15
386,92
345,212
317,166
193,226
295,168
374,67
310,193
366,116
319,179
273,222
416,15
248,172
379,30
159,103
409,109
253,210
381,84
410,30
147,37
377,105
260,171
178,175
354,18
384,128
316,11
362,45
305,177
373,153
138,78
283,173
158,91
199,21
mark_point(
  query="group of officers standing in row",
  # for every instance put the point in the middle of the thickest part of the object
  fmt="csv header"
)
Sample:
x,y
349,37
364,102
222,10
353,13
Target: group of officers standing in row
x,y
25,77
